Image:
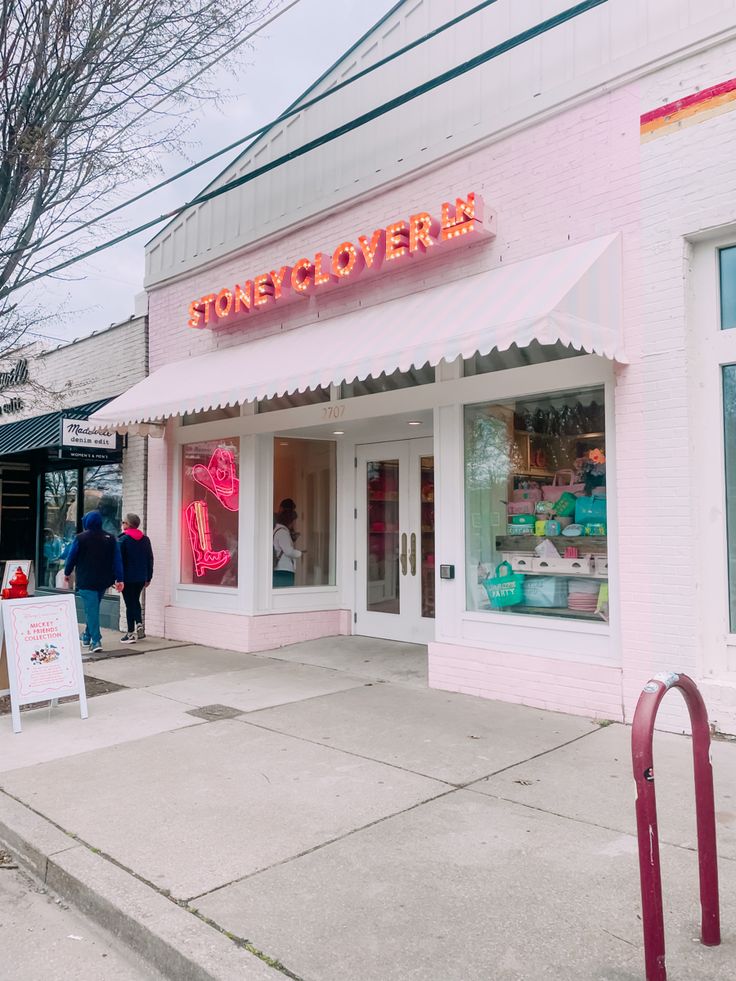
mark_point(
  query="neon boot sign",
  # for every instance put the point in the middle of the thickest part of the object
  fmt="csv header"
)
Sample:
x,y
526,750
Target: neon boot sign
x,y
197,520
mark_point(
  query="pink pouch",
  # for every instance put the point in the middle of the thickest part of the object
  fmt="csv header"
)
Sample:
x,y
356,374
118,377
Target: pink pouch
x,y
532,494
520,507
562,482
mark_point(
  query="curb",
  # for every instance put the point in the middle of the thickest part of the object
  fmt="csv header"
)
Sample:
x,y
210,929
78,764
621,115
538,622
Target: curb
x,y
173,941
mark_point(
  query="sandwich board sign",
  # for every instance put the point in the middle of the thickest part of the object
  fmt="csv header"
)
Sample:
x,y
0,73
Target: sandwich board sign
x,y
44,656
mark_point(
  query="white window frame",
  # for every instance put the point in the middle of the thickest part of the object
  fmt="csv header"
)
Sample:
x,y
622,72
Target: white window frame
x,y
710,349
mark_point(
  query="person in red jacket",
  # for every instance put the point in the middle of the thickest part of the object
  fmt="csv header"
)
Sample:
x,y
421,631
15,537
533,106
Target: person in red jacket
x,y
137,555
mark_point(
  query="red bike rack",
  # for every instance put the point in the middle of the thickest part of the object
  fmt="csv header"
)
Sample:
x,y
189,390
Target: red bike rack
x,y
642,735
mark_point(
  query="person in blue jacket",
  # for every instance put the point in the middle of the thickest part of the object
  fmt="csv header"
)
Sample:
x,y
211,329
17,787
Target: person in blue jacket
x,y
137,554
95,555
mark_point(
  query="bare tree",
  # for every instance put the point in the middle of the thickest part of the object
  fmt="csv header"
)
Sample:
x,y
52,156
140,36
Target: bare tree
x,y
91,93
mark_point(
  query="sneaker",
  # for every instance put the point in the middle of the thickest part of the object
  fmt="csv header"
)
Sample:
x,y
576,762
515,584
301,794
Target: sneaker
x,y
95,648
128,638
85,640
140,633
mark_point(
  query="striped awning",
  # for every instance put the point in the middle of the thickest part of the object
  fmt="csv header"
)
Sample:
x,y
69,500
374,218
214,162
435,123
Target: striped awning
x,y
41,432
572,296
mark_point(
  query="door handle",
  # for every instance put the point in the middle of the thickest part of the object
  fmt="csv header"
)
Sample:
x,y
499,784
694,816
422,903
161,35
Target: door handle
x,y
413,554
402,556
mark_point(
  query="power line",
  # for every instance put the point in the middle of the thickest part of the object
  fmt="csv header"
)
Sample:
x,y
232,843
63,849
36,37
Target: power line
x,y
293,110
386,107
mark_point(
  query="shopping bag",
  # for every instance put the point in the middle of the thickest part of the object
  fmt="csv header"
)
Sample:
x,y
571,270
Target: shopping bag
x,y
562,482
565,505
506,588
590,510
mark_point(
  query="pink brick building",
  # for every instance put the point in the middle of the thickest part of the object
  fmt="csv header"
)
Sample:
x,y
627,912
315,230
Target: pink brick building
x,y
575,335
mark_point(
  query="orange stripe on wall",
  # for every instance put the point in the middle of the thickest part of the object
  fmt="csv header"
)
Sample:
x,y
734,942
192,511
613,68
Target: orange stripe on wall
x,y
651,124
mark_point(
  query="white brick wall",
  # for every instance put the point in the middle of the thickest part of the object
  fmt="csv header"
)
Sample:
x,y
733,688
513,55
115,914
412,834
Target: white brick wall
x,y
98,366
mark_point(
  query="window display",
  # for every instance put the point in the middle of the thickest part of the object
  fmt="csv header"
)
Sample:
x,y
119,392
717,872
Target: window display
x,y
535,506
210,503
304,482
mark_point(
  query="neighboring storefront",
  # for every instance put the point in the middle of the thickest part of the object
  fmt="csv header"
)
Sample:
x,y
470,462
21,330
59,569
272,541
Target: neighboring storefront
x,y
54,466
458,343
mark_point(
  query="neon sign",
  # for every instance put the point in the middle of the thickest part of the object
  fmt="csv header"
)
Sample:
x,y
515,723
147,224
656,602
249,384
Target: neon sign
x,y
219,477
392,244
197,520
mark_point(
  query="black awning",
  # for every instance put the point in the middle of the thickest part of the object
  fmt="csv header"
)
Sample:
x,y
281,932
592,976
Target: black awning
x,y
41,432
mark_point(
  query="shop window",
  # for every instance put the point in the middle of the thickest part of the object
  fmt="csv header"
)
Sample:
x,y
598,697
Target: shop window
x,y
210,502
103,492
727,269
535,506
60,493
729,409
388,383
304,482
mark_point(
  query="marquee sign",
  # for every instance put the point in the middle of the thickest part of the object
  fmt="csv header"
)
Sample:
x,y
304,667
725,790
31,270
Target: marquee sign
x,y
395,244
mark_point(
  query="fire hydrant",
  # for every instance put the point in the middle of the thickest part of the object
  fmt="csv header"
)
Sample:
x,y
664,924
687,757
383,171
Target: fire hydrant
x,y
17,587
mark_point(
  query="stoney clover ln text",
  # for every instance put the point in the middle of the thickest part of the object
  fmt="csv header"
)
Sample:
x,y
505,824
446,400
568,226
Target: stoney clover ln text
x,y
391,243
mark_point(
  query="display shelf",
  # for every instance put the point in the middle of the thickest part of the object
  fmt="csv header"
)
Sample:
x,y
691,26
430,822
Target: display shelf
x,y
565,575
585,544
558,611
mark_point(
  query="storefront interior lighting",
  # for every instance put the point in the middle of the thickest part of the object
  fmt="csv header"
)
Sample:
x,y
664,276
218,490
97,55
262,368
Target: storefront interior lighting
x,y
338,432
415,422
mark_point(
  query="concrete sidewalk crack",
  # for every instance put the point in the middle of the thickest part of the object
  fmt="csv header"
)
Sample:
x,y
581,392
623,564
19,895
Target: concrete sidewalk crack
x,y
535,756
325,844
244,720
592,824
243,943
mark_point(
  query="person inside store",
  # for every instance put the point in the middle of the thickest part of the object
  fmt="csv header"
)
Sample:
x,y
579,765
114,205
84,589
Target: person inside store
x,y
288,504
284,552
95,555
137,555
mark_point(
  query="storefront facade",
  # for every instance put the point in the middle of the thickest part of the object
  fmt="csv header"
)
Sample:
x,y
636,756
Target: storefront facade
x,y
546,310
54,466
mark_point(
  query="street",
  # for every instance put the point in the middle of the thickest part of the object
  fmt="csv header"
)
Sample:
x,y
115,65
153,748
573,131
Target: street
x,y
41,937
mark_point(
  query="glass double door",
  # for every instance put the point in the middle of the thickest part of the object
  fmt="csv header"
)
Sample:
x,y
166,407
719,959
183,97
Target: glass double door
x,y
395,512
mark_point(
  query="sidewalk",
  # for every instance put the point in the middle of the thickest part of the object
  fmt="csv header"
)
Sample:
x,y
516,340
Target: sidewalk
x,y
318,813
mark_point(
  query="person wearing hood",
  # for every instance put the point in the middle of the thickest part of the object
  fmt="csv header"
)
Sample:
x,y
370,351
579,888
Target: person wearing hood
x,y
137,556
96,557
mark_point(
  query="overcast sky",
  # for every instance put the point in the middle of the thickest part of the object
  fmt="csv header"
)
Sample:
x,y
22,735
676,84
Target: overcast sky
x,y
286,58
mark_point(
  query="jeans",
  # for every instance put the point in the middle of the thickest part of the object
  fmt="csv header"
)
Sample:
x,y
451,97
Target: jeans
x,y
132,597
282,577
91,598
